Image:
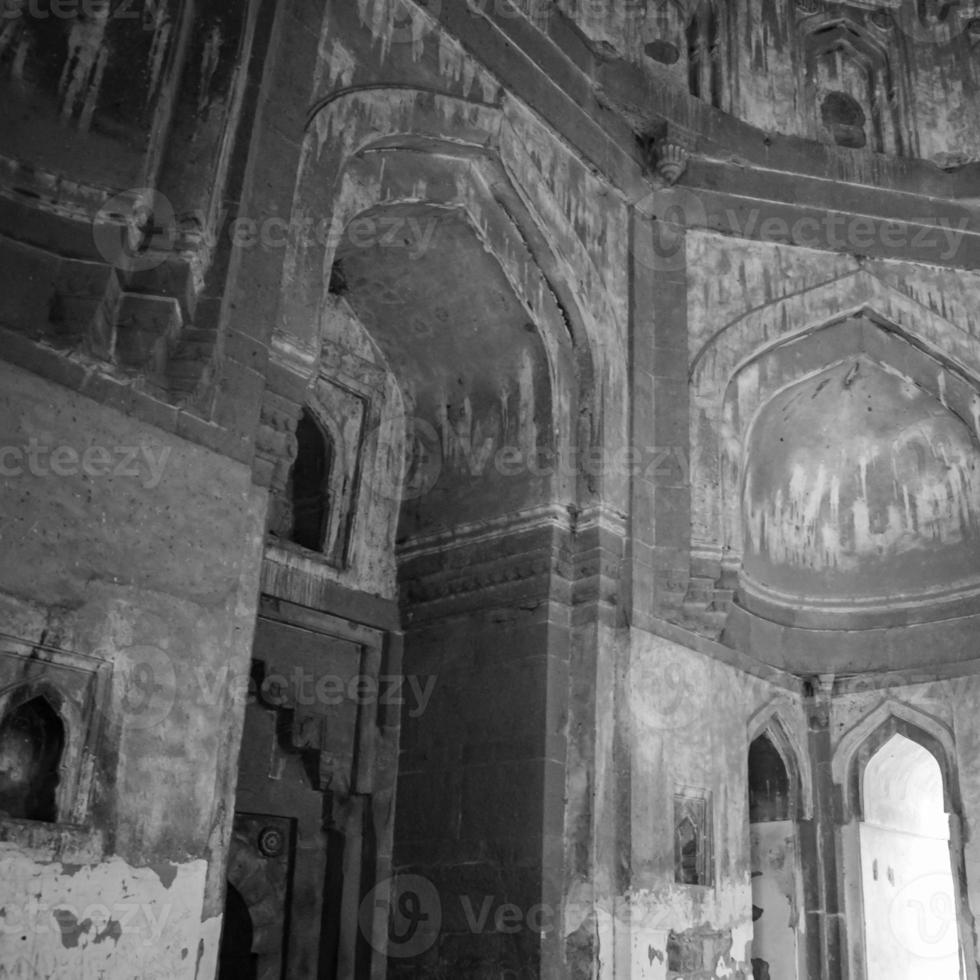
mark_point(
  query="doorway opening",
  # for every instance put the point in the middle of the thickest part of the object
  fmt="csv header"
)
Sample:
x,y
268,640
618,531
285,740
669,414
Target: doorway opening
x,y
774,854
236,959
910,906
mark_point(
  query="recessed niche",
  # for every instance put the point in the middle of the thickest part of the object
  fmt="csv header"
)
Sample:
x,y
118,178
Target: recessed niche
x,y
692,838
309,489
769,784
843,116
32,739
662,51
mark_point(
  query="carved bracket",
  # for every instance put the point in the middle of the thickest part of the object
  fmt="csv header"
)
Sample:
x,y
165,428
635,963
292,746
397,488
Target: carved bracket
x,y
667,153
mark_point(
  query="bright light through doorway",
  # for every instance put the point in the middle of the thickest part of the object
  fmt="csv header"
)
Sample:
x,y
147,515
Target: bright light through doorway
x,y
909,898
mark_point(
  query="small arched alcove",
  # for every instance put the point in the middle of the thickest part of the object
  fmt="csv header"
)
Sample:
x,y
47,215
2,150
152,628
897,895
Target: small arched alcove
x,y
32,740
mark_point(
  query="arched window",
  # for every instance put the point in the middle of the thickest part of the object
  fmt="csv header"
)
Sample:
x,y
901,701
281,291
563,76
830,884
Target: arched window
x,y
308,486
32,739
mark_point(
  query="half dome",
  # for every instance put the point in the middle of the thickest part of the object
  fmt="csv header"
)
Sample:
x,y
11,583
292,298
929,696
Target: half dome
x,y
861,495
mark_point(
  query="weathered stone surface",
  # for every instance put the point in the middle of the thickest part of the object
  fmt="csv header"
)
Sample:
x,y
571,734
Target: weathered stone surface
x,y
586,303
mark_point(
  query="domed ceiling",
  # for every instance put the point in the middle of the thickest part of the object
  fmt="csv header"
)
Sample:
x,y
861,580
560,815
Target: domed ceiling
x,y
861,490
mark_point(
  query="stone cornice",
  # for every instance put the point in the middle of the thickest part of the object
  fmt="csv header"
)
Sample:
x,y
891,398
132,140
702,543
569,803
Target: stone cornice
x,y
599,103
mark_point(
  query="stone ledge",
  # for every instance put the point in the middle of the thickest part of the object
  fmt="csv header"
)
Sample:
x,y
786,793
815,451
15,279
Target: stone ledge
x,y
122,394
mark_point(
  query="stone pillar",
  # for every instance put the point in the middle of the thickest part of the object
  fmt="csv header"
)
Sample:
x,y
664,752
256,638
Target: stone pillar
x,y
824,919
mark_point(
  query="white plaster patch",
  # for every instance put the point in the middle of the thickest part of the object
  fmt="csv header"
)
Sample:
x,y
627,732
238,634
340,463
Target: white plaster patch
x,y
108,921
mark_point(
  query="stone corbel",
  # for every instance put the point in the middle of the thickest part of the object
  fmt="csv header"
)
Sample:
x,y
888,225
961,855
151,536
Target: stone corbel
x,y
667,154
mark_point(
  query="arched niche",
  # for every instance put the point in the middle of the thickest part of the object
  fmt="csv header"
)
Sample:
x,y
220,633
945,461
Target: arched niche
x,y
849,69
860,498
32,742
366,169
794,359
726,367
773,723
788,623
772,795
44,738
687,862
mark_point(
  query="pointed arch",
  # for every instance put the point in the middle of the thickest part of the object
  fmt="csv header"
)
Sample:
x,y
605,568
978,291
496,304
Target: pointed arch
x,y
73,765
32,742
898,328
248,872
779,366
863,740
771,722
356,162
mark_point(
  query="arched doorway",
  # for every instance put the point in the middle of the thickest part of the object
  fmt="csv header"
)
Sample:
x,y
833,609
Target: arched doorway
x,y
910,906
775,865
236,960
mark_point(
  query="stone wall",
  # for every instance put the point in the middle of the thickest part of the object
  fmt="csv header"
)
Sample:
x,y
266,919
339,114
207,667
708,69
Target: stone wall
x,y
139,552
